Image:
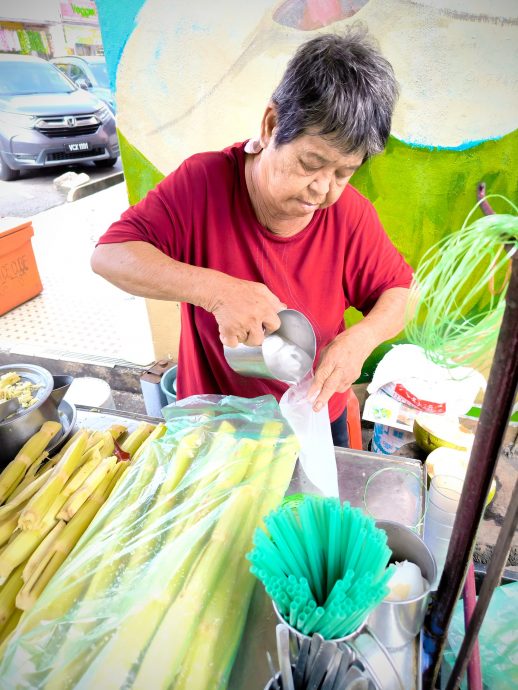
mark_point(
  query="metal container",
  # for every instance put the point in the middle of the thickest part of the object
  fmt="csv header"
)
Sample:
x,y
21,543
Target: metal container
x,y
19,427
376,660
396,623
367,649
301,636
267,361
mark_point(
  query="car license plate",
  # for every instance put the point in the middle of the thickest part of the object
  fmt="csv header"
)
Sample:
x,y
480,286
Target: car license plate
x,y
79,146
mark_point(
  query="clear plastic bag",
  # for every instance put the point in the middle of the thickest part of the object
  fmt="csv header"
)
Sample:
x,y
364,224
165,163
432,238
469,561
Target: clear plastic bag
x,y
313,429
498,640
156,593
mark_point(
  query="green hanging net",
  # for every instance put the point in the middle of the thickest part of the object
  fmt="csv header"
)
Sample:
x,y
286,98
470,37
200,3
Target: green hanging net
x,y
458,294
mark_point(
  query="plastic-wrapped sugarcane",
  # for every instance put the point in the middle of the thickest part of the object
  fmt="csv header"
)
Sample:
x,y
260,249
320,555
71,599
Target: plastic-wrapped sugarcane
x,y
162,566
52,505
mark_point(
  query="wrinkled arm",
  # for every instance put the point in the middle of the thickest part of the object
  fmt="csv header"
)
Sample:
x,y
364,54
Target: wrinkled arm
x,y
342,360
242,308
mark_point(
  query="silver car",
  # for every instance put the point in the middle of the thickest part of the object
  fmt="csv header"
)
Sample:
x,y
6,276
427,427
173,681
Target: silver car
x,y
88,72
46,120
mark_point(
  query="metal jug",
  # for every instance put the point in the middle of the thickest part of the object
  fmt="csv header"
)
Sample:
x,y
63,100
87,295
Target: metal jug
x,y
285,355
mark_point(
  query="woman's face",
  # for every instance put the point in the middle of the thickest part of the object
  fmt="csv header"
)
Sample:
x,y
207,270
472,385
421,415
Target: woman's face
x,y
307,174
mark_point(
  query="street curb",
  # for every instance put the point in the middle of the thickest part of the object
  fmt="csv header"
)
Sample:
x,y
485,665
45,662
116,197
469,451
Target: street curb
x,y
95,186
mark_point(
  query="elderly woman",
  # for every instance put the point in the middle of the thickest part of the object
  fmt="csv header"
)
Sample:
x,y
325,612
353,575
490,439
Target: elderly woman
x,y
239,234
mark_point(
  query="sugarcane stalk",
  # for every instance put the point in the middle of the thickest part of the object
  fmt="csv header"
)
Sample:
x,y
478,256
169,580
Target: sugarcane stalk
x,y
8,593
82,472
27,598
157,433
228,609
7,528
140,514
8,628
16,503
76,500
137,438
32,515
197,669
18,550
13,474
90,452
65,538
56,458
29,476
33,565
224,653
121,652
178,626
126,646
116,431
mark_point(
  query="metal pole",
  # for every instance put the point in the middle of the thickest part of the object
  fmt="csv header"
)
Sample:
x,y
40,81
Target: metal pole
x,y
470,599
491,580
496,409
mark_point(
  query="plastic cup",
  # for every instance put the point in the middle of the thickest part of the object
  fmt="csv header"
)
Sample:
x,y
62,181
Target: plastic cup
x,y
445,491
443,501
91,392
407,490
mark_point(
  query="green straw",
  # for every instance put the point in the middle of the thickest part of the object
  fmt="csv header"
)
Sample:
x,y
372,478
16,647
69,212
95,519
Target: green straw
x,y
283,546
335,537
313,620
290,525
314,548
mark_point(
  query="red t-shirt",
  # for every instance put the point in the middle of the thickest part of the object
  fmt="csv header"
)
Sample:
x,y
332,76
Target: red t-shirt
x,y
201,214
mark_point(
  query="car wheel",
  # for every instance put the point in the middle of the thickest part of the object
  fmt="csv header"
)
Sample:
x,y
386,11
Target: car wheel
x,y
7,174
106,163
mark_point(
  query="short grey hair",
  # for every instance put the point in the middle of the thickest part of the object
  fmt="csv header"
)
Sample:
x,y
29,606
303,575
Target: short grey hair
x,y
338,86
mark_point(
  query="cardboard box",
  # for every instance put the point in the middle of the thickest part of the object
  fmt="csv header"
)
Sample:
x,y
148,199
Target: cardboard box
x,y
19,276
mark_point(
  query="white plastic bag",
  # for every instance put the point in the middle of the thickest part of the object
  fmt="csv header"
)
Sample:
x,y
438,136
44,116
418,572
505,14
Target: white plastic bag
x,y
407,375
313,431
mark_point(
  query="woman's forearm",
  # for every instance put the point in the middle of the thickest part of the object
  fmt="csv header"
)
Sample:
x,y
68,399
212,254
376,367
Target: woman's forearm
x,y
386,319
243,309
141,269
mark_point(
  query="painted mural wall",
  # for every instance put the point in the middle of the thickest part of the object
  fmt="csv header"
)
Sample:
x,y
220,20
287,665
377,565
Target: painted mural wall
x,y
194,75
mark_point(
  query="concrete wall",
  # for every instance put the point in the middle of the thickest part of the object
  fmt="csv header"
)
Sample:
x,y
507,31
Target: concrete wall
x,y
193,75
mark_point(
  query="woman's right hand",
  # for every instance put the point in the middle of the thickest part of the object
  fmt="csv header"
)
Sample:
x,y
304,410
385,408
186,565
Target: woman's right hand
x,y
244,310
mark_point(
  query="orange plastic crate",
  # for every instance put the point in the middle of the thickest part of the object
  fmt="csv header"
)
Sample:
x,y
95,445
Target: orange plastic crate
x,y
19,276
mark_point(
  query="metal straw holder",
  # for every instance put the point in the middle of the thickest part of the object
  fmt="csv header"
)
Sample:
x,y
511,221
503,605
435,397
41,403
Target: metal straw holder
x,y
396,623
366,648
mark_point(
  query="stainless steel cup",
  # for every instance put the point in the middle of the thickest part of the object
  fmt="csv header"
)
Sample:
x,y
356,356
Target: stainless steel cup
x,y
396,623
266,361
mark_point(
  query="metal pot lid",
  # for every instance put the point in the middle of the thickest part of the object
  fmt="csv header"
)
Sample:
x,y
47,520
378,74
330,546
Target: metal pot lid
x,y
35,375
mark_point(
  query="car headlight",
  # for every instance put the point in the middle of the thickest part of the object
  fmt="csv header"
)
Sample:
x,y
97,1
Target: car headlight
x,y
104,113
17,119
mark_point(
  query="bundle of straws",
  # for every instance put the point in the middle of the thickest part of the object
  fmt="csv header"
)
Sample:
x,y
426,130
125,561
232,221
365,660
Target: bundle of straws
x,y
458,294
324,565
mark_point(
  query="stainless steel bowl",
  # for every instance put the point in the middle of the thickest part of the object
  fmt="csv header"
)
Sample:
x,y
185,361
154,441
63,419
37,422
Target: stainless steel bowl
x,y
20,426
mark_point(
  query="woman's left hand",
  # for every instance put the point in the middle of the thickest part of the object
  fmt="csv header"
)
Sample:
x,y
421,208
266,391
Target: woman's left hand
x,y
340,365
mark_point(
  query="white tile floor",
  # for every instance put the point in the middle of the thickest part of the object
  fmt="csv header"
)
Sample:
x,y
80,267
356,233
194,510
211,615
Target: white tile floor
x,y
78,316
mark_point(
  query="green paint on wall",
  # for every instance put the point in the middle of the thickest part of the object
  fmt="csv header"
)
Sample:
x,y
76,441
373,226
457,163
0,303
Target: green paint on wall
x,y
421,194
141,175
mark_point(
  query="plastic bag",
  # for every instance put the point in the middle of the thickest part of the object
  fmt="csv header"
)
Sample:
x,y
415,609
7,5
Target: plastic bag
x,y
407,375
156,593
498,640
313,429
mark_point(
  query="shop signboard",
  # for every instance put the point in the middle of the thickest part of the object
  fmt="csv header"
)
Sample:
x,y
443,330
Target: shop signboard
x,y
79,11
